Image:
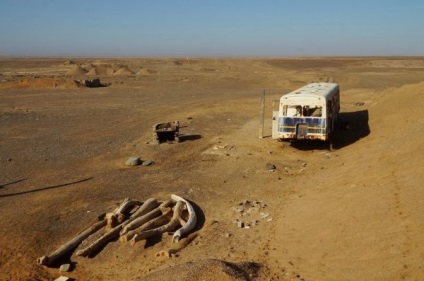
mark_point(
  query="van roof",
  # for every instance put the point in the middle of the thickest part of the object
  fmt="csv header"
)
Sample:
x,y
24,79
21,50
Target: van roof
x,y
314,89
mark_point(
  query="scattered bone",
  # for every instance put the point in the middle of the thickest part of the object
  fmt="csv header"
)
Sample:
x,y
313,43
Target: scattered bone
x,y
110,235
96,245
148,205
170,226
154,223
72,244
133,220
191,222
156,212
182,244
120,213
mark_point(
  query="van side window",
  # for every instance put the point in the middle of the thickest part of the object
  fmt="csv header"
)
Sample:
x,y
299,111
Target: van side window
x,y
309,111
316,111
292,110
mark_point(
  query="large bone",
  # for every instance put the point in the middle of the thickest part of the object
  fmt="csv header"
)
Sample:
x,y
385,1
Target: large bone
x,y
191,222
114,232
175,222
145,218
170,252
152,224
72,244
120,213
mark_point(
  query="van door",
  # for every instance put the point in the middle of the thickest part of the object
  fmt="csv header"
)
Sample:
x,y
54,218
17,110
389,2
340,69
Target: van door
x,y
275,112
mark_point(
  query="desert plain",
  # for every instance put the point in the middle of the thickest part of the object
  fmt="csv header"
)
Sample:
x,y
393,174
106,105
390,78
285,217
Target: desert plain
x,y
355,213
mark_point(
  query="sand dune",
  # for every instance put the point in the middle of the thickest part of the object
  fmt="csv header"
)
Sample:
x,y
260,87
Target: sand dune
x,y
76,70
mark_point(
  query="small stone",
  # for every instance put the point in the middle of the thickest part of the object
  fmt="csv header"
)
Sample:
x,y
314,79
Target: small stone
x,y
133,161
65,267
270,167
147,162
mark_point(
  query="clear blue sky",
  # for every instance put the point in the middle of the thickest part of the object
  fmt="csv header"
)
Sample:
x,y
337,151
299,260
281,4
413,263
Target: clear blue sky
x,y
180,28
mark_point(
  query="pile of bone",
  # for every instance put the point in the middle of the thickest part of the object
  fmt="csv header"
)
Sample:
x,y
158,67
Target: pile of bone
x,y
131,222
250,213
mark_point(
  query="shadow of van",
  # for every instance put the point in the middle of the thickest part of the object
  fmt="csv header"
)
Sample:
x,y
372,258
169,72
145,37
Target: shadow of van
x,y
352,126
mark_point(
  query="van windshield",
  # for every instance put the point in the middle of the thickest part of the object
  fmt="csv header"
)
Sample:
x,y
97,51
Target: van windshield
x,y
302,111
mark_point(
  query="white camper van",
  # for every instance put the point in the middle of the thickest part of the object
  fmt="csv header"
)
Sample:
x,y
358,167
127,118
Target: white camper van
x,y
307,113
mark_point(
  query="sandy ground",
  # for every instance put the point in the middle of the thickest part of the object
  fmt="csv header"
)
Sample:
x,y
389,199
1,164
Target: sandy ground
x,y
352,214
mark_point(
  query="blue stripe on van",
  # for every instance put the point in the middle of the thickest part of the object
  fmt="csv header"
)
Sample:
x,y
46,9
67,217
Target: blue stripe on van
x,y
288,124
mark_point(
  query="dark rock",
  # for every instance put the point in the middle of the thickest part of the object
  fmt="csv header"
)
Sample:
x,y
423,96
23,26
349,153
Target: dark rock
x,y
270,167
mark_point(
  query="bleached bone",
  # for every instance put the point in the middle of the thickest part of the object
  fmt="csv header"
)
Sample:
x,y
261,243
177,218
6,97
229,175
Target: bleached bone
x,y
120,213
154,212
114,232
191,222
154,223
170,252
175,222
72,244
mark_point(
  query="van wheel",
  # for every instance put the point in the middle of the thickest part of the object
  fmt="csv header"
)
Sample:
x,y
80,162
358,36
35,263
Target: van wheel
x,y
331,148
330,142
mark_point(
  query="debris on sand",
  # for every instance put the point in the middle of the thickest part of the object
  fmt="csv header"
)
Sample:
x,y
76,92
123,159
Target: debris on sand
x,y
250,213
91,83
168,131
133,221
